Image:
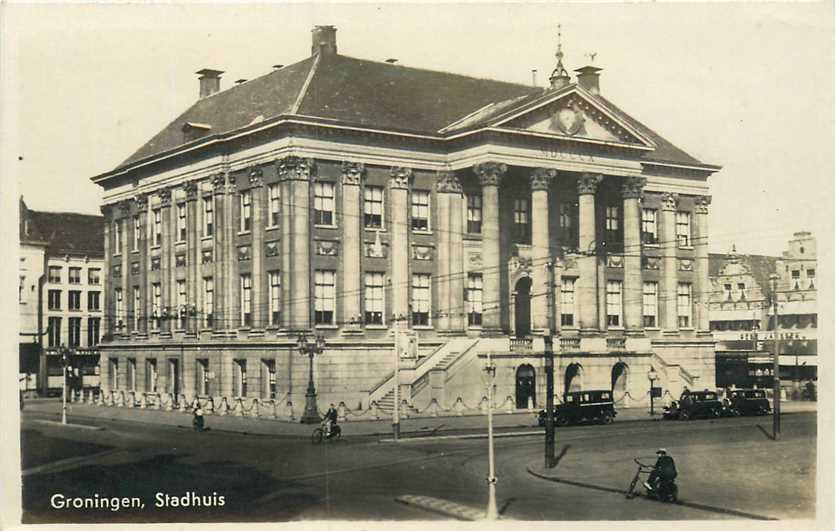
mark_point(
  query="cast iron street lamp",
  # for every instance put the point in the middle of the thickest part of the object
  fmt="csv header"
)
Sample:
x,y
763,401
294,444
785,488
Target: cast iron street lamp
x,y
652,377
311,410
492,510
65,363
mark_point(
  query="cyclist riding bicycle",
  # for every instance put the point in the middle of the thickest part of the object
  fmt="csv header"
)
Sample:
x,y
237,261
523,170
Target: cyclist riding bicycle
x,y
330,420
665,470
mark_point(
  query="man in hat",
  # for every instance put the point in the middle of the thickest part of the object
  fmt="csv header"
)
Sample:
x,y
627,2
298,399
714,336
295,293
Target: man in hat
x,y
665,470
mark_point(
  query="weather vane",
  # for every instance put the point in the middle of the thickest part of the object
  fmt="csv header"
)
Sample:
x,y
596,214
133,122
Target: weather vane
x,y
591,56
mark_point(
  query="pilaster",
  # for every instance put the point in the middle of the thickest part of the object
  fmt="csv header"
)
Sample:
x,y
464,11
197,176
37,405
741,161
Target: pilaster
x,y
351,264
192,257
219,257
632,191
701,292
260,305
669,269
141,201
107,322
490,175
400,182
166,301
124,212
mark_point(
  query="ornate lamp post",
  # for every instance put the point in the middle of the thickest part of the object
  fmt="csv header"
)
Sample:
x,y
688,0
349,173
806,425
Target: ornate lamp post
x,y
311,409
492,512
652,375
65,364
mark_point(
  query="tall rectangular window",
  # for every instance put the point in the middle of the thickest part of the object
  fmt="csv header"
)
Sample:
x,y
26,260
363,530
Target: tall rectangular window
x,y
94,276
137,307
684,304
113,373
420,210
238,377
75,275
93,331
131,374
566,216
74,332
683,229
182,303
54,274
323,203
650,304
275,297
54,299
246,211
614,306
375,302
521,219
208,301
156,305
246,300
151,375
120,307
181,222
208,216
613,225
117,236
93,301
54,326
810,278
475,299
649,226
274,206
157,226
201,374
74,300
325,297
137,234
473,214
268,381
421,299
567,301
373,207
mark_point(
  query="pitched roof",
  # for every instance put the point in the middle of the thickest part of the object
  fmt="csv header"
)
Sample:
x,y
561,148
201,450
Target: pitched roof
x,y
761,266
69,233
369,93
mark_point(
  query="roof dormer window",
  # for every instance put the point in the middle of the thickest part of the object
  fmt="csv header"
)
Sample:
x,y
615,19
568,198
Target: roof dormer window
x,y
194,130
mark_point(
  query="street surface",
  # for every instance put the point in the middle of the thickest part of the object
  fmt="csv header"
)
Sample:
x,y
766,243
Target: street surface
x,y
728,469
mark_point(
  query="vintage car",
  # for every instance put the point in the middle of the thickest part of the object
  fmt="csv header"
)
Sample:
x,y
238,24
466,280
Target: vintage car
x,y
583,406
695,404
749,402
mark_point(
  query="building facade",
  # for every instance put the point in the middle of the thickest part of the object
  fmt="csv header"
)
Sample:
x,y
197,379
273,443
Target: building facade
x,y
61,297
345,198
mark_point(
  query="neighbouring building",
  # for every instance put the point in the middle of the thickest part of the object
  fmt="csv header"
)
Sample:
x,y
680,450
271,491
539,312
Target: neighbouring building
x,y
61,298
343,197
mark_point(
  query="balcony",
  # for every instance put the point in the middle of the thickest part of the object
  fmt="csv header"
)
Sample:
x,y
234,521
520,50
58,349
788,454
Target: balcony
x,y
570,344
616,343
521,344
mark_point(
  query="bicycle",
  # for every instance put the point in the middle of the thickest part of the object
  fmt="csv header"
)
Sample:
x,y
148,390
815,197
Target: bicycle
x,y
319,434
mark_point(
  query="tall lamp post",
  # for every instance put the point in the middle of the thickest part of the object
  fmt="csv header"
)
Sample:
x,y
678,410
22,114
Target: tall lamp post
x,y
772,278
65,363
652,375
492,510
306,348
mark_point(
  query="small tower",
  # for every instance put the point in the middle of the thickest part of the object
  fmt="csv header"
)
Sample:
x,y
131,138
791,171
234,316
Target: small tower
x,y
559,77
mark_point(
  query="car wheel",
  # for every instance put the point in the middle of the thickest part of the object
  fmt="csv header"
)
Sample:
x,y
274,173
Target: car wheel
x,y
607,418
716,413
683,415
561,421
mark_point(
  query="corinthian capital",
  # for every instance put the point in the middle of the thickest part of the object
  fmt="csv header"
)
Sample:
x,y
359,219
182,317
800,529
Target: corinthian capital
x,y
448,183
256,176
702,202
401,177
219,183
295,168
541,179
669,201
165,197
141,201
587,183
190,189
633,187
124,207
352,173
490,173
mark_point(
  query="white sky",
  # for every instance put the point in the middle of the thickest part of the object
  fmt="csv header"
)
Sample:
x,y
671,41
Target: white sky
x,y
746,86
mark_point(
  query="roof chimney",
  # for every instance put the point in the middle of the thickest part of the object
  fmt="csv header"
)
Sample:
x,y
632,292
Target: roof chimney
x,y
588,77
240,81
324,40
278,67
391,60
209,81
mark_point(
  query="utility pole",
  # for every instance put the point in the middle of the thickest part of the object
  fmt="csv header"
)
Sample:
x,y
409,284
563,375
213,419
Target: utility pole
x,y
550,438
395,420
65,359
776,428
492,510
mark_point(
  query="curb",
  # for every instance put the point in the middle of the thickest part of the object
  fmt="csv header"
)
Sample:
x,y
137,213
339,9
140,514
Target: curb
x,y
446,508
465,436
67,425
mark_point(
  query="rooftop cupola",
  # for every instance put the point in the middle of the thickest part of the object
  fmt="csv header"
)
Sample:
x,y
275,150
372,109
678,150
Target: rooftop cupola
x,y
559,77
324,40
209,81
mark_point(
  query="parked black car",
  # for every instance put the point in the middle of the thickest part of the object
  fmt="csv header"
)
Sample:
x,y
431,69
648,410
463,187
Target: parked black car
x,y
580,406
749,402
695,404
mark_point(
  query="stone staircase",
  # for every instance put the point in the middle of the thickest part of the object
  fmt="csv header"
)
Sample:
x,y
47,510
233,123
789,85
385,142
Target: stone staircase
x,y
386,404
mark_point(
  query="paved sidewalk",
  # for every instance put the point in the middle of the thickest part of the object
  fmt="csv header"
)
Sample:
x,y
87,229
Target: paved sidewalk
x,y
409,427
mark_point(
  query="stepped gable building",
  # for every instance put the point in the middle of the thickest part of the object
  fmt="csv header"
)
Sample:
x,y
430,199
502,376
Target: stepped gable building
x,y
61,297
340,196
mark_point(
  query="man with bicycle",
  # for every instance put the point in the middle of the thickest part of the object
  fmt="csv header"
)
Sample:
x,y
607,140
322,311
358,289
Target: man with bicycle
x,y
330,420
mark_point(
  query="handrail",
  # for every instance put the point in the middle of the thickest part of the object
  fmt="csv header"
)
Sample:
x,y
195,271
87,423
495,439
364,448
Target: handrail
x,y
459,358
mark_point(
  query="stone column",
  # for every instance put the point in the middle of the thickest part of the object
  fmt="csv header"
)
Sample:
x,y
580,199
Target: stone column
x,y
127,296
352,241
297,173
106,325
449,261
166,245
232,316
587,285
192,260
400,252
701,293
633,286
540,180
219,252
490,175
142,211
669,269
259,281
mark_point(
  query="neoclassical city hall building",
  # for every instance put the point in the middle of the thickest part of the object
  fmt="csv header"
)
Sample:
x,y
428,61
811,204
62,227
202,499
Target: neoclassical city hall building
x,y
343,198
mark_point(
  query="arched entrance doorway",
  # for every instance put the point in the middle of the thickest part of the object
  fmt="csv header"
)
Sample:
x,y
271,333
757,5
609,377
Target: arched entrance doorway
x,y
525,386
574,378
522,295
620,372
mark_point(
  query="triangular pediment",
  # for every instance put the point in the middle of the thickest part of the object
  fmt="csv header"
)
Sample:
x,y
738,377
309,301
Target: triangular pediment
x,y
573,114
